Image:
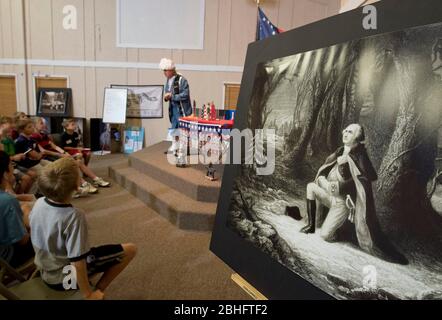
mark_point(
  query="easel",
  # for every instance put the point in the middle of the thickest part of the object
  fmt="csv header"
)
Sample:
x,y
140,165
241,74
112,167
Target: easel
x,y
108,130
247,287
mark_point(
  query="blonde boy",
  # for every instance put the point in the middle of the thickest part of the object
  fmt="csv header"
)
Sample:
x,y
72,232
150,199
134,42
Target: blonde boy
x,y
15,119
60,236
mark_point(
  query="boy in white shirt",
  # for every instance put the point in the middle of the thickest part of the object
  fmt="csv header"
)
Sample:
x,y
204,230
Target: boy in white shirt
x,y
60,236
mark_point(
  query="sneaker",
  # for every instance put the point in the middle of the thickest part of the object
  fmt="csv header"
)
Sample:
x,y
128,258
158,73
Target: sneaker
x,y
89,188
81,192
99,182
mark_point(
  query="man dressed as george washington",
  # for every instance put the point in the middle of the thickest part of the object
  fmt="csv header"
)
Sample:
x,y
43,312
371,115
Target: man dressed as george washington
x,y
344,185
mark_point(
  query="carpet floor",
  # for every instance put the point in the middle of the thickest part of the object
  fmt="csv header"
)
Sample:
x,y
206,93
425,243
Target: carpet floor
x,y
170,263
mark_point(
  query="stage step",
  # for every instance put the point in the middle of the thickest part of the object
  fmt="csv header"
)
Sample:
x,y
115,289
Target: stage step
x,y
181,210
190,181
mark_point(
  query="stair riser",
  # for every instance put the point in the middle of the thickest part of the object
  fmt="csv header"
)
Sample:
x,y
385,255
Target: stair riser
x,y
183,220
199,193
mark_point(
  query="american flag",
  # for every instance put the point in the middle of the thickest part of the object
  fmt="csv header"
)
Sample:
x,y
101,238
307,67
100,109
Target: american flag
x,y
265,28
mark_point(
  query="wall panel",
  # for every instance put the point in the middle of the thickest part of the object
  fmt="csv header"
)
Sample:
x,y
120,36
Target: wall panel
x,y
308,11
18,42
243,30
223,32
40,32
90,89
208,55
6,24
105,32
89,29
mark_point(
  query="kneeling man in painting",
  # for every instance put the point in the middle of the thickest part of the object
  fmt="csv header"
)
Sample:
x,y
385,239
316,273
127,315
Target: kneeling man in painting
x,y
344,185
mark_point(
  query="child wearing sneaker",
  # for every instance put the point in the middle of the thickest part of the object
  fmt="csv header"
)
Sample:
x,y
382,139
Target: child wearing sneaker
x,y
53,152
70,142
25,145
60,235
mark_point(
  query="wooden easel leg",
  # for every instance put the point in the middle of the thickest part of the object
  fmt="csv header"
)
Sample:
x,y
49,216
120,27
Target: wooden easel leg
x,y
247,287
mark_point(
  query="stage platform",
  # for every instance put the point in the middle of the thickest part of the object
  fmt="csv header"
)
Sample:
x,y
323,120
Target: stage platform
x,y
182,195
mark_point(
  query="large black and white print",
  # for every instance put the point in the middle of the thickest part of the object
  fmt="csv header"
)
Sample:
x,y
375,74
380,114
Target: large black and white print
x,y
355,202
144,101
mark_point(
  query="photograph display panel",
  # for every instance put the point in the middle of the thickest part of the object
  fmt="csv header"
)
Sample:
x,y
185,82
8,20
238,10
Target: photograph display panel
x,y
54,102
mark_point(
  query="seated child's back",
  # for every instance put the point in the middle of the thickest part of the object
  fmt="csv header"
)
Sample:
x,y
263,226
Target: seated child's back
x,y
59,231
59,235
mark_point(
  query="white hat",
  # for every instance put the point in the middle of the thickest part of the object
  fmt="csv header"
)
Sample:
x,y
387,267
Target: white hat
x,y
167,64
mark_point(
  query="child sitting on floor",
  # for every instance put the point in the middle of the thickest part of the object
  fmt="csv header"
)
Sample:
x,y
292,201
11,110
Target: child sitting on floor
x,y
46,146
60,235
71,140
24,144
53,152
15,244
18,116
25,178
71,143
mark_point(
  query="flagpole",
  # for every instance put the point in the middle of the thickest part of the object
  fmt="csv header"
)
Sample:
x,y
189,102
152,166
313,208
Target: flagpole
x,y
257,20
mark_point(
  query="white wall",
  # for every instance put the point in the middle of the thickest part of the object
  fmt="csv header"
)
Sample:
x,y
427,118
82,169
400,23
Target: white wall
x,y
32,29
347,5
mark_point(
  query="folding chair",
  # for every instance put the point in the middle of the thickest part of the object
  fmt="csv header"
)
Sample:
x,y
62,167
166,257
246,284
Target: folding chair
x,y
33,289
27,269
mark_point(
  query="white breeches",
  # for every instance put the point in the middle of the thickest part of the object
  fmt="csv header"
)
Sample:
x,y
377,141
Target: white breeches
x,y
338,211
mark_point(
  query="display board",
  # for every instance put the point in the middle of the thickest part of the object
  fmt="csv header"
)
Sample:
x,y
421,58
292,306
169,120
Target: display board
x,y
114,108
133,139
143,101
348,208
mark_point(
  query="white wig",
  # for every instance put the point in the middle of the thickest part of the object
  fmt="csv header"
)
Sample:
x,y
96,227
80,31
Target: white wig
x,y
167,64
358,130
